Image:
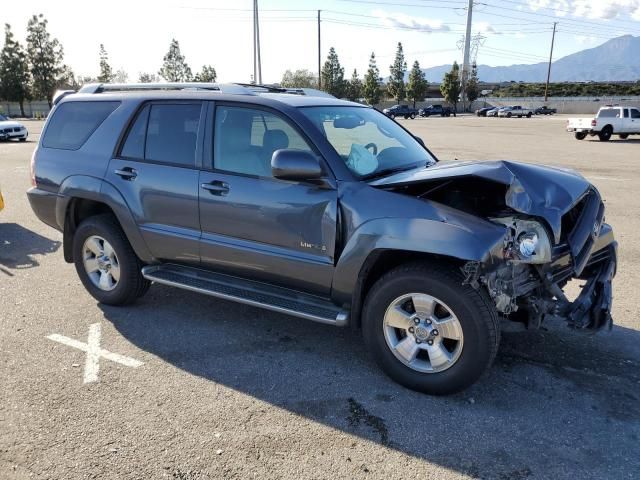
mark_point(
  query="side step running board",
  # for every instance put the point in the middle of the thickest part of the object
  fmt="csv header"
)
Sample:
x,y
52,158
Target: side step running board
x,y
249,292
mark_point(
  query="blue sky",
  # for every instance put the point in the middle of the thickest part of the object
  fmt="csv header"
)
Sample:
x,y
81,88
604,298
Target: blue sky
x,y
219,32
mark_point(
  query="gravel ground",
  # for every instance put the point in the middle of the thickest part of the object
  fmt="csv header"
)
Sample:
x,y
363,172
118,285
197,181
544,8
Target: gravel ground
x,y
230,391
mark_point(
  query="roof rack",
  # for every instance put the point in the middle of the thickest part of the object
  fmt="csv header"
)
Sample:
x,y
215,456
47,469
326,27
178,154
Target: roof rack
x,y
231,88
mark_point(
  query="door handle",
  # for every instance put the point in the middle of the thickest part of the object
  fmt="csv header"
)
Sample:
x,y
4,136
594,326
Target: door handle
x,y
126,173
216,187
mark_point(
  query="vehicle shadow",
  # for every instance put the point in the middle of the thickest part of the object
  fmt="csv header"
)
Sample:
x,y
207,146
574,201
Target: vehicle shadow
x,y
554,404
18,246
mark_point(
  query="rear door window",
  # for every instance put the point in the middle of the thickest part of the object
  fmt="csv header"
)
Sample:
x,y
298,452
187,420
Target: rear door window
x,y
74,122
164,133
609,113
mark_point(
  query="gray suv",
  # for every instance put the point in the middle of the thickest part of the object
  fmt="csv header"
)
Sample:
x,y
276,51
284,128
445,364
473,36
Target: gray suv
x,y
323,209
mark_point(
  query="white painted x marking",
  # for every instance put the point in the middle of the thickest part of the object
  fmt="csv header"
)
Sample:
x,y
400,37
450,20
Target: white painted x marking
x,y
94,352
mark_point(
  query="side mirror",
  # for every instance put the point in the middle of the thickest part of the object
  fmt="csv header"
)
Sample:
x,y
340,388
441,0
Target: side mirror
x,y
290,164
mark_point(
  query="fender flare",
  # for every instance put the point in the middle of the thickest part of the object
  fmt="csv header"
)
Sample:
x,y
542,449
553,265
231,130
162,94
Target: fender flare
x,y
98,190
477,242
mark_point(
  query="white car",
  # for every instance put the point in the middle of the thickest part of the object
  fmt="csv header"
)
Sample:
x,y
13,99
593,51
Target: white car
x,y
10,130
610,120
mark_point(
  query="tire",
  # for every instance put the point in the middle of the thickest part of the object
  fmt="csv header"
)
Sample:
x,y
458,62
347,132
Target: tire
x,y
477,329
412,116
406,117
529,115
605,133
22,139
580,135
392,116
90,252
623,136
509,115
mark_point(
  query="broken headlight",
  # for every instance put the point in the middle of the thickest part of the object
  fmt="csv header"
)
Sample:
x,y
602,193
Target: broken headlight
x,y
527,241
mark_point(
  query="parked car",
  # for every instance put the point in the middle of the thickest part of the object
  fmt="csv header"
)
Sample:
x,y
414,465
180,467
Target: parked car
x,y
493,112
435,110
11,130
323,209
482,112
610,120
544,110
404,111
515,111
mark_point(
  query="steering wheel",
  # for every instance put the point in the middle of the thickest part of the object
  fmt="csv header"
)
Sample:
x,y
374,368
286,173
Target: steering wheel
x,y
373,147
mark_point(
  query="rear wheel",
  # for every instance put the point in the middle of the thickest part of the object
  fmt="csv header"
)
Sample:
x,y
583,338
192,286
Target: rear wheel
x,y
624,136
106,264
428,331
529,115
580,135
605,133
413,116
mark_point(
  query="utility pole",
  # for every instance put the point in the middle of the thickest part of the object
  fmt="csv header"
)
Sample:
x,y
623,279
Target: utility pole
x,y
258,42
255,63
319,54
553,38
467,51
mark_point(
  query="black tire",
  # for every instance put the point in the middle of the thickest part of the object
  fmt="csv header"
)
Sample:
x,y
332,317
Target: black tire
x,y
509,115
623,136
22,139
406,117
529,115
474,309
131,284
605,134
426,114
580,135
412,116
392,116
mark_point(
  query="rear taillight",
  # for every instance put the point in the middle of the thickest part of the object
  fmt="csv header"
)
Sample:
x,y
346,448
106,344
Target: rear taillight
x,y
33,168
593,122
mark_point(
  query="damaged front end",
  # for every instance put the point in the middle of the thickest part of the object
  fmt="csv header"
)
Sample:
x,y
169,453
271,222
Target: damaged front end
x,y
554,232
527,283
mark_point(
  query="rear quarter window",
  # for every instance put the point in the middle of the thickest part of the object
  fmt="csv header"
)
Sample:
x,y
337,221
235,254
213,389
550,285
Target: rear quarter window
x,y
74,122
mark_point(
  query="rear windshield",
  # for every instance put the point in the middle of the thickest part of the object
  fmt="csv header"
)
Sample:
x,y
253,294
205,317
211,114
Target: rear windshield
x,y
609,113
73,123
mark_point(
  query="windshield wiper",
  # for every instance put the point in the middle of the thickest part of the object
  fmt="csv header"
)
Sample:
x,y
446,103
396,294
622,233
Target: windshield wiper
x,y
388,171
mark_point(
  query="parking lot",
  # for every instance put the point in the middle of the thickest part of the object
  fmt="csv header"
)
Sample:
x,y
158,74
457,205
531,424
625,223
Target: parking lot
x,y
190,387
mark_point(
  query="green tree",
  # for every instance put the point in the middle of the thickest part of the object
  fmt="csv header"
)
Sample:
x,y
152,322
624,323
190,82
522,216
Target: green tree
x,y
145,77
333,75
45,58
473,88
371,88
354,87
299,79
174,66
106,72
14,71
417,86
207,74
396,86
450,86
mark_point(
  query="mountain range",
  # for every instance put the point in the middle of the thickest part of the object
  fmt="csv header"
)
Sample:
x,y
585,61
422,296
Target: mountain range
x,y
617,59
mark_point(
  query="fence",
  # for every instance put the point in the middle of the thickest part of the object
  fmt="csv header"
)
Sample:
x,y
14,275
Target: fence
x,y
37,108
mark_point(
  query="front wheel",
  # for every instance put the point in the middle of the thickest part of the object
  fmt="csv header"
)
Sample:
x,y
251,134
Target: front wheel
x,y
529,115
428,331
106,264
412,116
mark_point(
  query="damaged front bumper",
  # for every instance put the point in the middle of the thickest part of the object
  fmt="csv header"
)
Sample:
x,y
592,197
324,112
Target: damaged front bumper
x,y
534,293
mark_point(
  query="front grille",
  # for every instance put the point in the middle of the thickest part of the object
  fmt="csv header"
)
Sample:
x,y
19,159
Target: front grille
x,y
17,129
581,226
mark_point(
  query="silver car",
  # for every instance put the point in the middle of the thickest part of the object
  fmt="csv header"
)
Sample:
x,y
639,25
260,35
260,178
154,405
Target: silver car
x,y
10,130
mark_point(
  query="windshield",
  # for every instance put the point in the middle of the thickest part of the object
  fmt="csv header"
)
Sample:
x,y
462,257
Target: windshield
x,y
369,142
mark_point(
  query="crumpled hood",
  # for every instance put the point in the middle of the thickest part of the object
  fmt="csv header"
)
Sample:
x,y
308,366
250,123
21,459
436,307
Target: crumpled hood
x,y
10,124
542,191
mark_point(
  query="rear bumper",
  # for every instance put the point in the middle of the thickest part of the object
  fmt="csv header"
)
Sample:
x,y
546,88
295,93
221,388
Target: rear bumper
x,y
43,204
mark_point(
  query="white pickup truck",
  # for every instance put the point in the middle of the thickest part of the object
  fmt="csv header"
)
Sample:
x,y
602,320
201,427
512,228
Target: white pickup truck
x,y
515,111
621,121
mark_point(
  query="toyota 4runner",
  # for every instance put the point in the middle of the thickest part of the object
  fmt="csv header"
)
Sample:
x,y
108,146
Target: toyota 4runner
x,y
323,209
